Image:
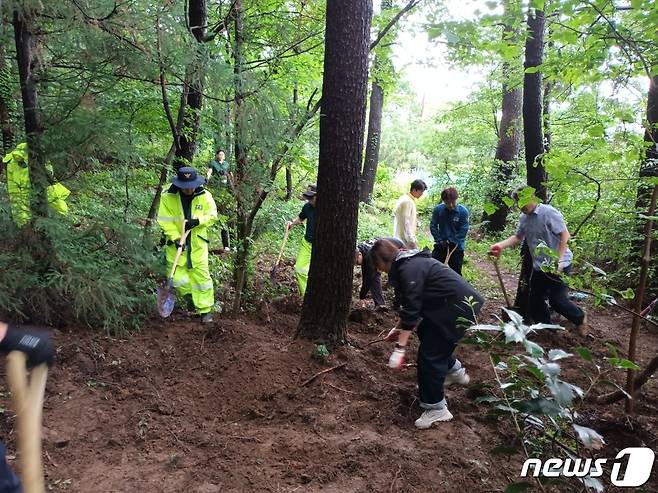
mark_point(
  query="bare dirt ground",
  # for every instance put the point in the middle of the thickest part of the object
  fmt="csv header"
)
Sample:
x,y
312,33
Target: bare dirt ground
x,y
231,408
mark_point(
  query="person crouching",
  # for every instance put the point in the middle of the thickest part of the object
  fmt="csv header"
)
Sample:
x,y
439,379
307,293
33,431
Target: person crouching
x,y
430,298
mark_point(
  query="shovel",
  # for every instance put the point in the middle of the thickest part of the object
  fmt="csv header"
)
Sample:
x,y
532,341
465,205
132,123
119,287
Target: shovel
x,y
166,291
502,284
28,401
278,259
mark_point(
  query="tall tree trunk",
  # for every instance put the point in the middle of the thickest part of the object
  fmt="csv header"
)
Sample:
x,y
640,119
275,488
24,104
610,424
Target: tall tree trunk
x,y
23,22
197,14
342,124
242,219
289,186
374,137
533,135
509,133
373,142
548,134
533,138
6,103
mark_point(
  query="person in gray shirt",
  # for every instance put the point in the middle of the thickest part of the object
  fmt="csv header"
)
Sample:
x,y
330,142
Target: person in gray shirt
x,y
544,229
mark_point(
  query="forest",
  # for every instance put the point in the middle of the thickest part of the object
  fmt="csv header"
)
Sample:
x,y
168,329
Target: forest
x,y
329,245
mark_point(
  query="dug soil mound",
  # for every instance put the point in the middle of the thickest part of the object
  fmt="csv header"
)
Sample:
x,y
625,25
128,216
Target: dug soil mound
x,y
241,406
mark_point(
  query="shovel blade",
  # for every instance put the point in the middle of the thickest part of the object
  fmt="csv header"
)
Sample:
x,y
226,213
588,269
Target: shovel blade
x,y
166,299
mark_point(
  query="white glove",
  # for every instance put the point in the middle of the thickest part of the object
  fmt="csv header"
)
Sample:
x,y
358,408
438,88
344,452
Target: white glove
x,y
396,361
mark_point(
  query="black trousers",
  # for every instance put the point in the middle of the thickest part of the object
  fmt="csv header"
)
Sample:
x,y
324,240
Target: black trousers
x,y
9,482
225,238
456,261
434,361
543,286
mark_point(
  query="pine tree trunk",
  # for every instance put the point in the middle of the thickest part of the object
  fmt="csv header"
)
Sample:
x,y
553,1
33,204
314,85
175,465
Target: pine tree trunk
x,y
23,22
197,14
342,123
6,103
533,138
242,214
533,134
373,142
509,136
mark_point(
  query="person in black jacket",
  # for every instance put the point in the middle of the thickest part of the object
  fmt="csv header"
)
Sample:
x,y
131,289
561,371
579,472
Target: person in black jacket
x,y
38,348
430,298
371,279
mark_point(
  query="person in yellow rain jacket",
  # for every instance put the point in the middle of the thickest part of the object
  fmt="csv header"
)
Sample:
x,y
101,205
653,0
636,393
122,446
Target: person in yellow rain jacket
x,y
188,206
19,186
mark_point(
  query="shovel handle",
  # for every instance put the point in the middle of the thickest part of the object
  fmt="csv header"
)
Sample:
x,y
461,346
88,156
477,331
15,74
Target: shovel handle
x,y
28,401
283,244
179,251
500,280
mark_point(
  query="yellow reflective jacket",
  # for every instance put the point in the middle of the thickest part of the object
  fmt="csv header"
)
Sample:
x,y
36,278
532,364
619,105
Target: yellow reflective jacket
x,y
171,217
19,186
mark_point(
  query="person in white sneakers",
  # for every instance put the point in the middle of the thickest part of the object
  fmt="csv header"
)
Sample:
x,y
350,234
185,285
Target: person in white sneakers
x,y
438,303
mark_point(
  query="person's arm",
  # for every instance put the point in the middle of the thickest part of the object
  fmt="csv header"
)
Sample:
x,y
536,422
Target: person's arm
x,y
463,226
376,289
562,249
35,344
295,222
169,222
366,278
497,248
434,225
409,234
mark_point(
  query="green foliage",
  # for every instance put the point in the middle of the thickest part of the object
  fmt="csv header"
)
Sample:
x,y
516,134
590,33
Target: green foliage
x,y
98,275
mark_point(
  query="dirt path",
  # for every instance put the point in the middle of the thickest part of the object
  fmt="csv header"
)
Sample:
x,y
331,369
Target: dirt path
x,y
179,407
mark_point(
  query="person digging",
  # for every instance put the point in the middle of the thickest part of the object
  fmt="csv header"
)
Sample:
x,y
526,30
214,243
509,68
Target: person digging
x,y
307,214
543,227
39,349
187,206
371,281
430,299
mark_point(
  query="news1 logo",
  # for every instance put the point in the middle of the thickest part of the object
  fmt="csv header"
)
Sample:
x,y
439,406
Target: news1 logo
x,y
631,467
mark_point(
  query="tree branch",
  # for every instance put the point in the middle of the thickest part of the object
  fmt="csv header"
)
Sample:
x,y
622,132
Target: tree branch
x,y
393,21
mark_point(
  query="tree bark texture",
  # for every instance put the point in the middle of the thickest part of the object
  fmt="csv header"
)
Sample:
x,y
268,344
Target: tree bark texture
x,y
533,138
509,136
6,103
342,124
23,22
243,226
373,142
533,135
374,137
197,14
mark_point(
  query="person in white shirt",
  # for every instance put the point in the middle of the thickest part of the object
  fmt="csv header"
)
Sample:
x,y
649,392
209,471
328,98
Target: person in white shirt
x,y
405,222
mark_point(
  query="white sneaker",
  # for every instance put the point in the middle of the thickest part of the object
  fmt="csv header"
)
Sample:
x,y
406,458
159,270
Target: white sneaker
x,y
459,377
431,416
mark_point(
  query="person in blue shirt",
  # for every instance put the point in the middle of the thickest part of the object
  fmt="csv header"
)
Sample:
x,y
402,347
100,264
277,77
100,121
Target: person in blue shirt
x,y
449,227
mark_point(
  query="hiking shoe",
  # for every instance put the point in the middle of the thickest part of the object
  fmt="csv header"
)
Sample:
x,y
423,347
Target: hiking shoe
x,y
431,416
459,377
583,328
207,319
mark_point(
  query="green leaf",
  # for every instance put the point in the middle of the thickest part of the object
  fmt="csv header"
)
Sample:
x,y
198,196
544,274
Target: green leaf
x,y
623,364
533,70
590,438
489,208
486,398
596,130
508,201
585,353
518,487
